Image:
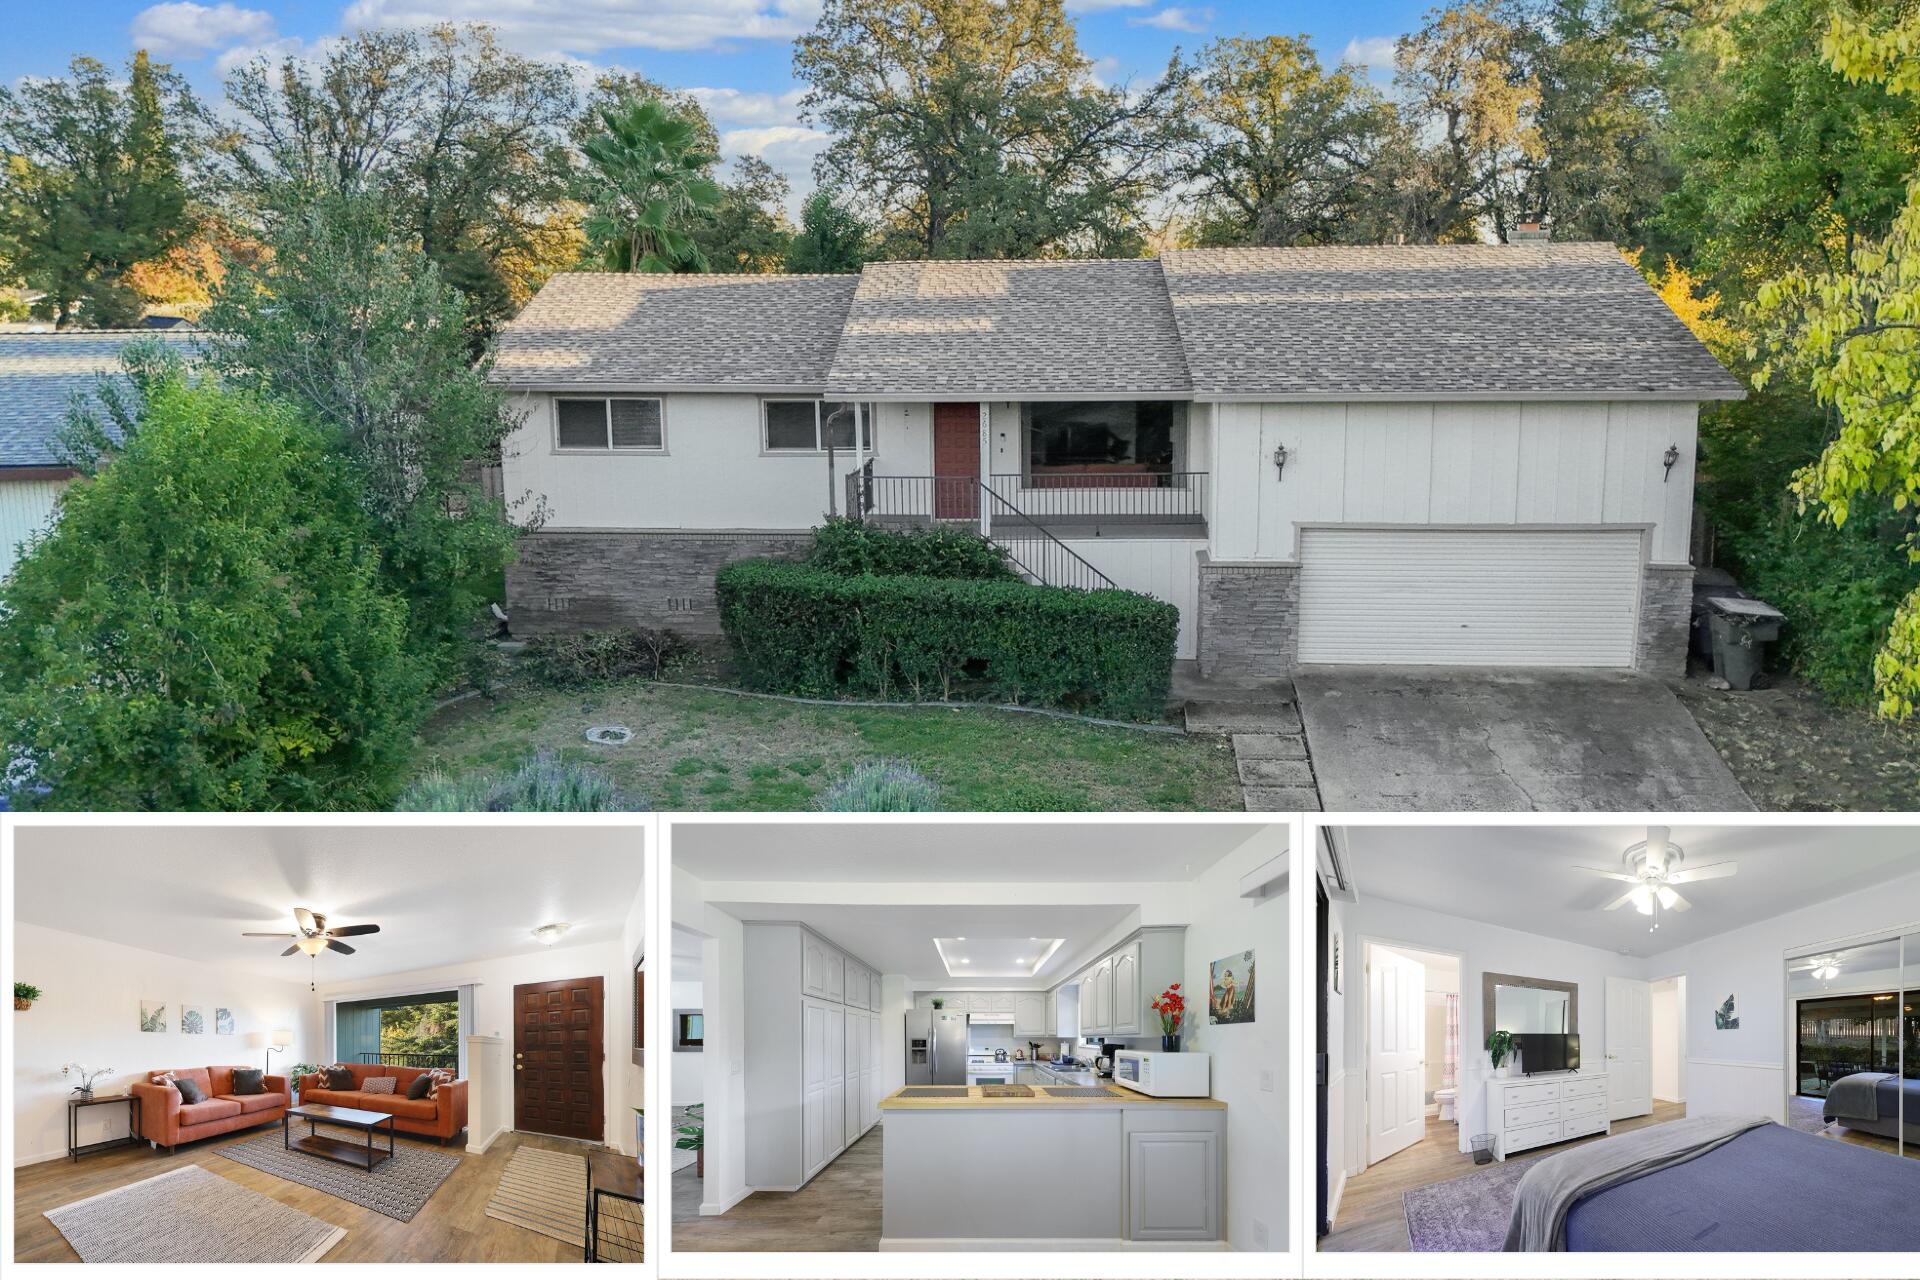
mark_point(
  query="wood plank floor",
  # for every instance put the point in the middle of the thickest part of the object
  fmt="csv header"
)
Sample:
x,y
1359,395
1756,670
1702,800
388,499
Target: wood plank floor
x,y
1372,1218
451,1227
838,1212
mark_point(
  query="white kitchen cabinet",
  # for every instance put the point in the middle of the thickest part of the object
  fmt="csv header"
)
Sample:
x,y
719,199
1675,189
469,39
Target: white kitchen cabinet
x,y
1089,1006
1103,996
814,1131
836,975
1001,1002
1123,1010
813,967
1030,1015
1173,1176
856,1041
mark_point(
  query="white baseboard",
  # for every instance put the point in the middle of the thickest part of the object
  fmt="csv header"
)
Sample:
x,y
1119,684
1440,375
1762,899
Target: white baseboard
x,y
479,1146
1334,1197
1094,1244
713,1209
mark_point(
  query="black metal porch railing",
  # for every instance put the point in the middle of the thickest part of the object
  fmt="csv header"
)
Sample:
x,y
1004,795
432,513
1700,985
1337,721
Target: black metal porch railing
x,y
447,1061
912,499
1174,497
1037,553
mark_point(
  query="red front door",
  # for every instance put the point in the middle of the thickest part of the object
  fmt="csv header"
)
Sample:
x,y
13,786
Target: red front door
x,y
956,461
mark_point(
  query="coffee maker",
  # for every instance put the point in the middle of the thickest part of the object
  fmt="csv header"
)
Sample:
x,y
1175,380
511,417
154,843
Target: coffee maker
x,y
1103,1060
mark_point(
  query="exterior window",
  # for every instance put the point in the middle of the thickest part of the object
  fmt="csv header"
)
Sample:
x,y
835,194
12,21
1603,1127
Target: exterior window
x,y
809,426
1099,437
625,424
689,1030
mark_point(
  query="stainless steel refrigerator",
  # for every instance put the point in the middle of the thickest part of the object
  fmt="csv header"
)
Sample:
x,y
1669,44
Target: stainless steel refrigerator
x,y
936,1047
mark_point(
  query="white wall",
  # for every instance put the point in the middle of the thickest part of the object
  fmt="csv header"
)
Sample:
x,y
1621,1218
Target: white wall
x,y
1746,1071
723,1063
1668,1048
1251,1062
634,940
688,1080
26,511
714,473
896,998
1164,568
493,982
90,1013
1482,463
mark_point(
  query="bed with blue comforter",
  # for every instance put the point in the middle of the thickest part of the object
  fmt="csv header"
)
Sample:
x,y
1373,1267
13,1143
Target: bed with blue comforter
x,y
1870,1101
1769,1190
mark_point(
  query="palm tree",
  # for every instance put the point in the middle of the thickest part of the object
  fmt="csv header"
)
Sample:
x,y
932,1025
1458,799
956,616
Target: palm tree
x,y
652,186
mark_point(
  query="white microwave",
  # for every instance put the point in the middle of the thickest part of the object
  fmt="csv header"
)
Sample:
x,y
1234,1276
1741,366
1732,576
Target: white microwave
x,y
1163,1075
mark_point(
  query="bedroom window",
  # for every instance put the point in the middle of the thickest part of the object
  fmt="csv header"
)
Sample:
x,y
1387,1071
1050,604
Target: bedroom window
x,y
623,424
809,426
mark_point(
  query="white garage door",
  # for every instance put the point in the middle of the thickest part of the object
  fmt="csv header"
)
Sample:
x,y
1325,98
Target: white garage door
x,y
1465,597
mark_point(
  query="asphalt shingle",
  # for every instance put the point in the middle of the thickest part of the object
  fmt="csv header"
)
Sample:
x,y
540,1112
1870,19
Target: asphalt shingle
x,y
40,373
645,331
1444,321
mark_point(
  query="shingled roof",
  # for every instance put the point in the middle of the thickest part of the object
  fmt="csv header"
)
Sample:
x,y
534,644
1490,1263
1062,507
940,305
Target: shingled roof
x,y
643,330
1438,322
1431,322
1007,329
40,373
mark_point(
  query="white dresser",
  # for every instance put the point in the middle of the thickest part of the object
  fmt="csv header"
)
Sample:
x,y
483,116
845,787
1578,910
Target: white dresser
x,y
1525,1112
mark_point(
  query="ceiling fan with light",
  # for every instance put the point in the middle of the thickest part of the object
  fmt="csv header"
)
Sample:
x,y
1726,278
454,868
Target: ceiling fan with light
x,y
1824,967
1654,869
312,935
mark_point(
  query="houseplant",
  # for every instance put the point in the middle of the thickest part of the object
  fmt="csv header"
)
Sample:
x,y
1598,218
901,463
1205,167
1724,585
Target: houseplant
x,y
84,1089
692,1136
1172,1007
1500,1044
939,1002
24,994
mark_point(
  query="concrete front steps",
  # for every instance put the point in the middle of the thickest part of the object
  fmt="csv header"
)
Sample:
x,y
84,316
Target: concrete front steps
x,y
1269,743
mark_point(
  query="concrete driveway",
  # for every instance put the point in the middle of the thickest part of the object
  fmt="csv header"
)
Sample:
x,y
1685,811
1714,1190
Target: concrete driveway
x,y
1430,738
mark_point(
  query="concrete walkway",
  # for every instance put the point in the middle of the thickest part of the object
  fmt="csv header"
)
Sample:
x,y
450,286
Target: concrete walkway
x,y
1269,742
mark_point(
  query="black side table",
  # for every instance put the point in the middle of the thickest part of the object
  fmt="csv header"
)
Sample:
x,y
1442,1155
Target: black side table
x,y
613,1236
75,1151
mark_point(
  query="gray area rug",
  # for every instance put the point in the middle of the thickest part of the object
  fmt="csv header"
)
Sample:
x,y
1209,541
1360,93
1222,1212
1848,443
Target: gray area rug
x,y
1808,1115
396,1187
1464,1215
191,1215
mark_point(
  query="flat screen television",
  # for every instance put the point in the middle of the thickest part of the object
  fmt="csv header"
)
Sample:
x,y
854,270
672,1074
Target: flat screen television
x,y
1540,1052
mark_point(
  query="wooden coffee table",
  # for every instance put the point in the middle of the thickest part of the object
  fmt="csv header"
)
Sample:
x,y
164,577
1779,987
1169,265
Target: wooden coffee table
x,y
314,1144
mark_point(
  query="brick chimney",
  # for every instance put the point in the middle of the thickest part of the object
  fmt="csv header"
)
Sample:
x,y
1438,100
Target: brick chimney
x,y
1532,231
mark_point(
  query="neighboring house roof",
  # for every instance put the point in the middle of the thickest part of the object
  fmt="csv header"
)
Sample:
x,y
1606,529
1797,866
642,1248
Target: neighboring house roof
x,y
646,331
40,373
1427,322
1432,322
993,329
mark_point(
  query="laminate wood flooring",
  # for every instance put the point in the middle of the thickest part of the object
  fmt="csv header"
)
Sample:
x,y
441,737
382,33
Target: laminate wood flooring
x,y
837,1212
451,1227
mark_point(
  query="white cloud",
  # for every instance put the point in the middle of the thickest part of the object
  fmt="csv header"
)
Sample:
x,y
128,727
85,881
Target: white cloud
x,y
789,148
1372,52
592,26
736,106
1175,19
182,29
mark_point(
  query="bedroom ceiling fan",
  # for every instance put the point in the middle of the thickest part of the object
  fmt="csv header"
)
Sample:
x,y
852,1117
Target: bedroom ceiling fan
x,y
1654,867
1824,967
312,935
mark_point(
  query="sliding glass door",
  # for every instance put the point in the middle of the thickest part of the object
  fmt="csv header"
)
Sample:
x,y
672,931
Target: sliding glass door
x,y
400,1031
1840,1036
1910,1047
1855,1025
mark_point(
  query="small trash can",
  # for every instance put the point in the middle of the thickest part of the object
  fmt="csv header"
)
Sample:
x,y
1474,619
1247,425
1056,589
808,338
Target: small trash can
x,y
1483,1148
1742,630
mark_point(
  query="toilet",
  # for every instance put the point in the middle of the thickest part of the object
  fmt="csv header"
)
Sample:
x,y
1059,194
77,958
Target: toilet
x,y
1445,1098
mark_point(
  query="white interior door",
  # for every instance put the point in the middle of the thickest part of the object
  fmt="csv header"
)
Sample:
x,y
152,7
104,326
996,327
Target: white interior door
x,y
1629,1048
1397,1054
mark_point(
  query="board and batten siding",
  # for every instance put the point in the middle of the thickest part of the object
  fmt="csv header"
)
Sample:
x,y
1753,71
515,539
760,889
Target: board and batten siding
x,y
26,511
1165,568
713,474
1482,463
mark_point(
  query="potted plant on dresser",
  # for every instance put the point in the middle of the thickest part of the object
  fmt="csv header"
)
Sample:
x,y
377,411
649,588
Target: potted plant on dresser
x,y
1172,1008
1500,1046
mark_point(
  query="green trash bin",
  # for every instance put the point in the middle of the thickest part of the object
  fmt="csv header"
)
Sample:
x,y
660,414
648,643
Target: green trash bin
x,y
1742,630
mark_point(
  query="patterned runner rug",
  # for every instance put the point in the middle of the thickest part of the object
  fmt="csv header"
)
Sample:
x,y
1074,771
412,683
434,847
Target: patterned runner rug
x,y
191,1215
544,1191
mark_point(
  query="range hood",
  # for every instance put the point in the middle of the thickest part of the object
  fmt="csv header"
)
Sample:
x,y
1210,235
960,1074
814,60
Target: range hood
x,y
991,1017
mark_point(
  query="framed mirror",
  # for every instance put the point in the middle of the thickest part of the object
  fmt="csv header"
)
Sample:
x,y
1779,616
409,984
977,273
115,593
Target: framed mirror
x,y
1529,1005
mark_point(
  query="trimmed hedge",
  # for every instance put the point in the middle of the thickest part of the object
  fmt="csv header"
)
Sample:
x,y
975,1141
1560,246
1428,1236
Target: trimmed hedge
x,y
854,547
799,629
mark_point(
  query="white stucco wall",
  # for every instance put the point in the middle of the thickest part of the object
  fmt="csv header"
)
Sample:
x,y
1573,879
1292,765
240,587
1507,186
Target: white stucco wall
x,y
1449,464
713,473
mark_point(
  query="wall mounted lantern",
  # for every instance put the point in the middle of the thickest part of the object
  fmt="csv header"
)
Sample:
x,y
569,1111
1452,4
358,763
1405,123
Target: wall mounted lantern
x,y
1280,462
1673,456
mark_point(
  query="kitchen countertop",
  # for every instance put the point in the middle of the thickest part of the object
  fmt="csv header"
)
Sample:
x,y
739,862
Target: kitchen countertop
x,y
899,1100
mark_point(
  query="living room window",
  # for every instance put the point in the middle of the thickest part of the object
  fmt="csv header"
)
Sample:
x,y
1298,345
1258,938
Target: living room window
x,y
612,424
420,1030
1101,437
809,426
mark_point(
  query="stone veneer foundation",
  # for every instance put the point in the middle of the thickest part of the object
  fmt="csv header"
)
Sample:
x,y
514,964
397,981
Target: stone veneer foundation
x,y
584,580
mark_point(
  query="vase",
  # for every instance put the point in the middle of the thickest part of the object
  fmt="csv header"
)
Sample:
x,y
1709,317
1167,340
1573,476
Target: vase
x,y
83,1093
1170,1044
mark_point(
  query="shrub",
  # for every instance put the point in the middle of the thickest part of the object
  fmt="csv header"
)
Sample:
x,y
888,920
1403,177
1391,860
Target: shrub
x,y
797,629
882,786
852,547
595,657
544,784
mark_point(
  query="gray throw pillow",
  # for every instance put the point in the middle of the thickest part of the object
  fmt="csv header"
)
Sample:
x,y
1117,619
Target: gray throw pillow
x,y
190,1092
421,1086
249,1080
339,1078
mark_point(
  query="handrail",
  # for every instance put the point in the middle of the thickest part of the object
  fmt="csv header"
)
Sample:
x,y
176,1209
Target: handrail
x,y
449,1060
1051,563
1170,496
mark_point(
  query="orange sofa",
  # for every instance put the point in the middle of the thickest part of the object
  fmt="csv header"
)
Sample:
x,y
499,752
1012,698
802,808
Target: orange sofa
x,y
168,1121
439,1117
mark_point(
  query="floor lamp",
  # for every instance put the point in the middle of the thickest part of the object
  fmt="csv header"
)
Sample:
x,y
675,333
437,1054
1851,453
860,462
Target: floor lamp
x,y
278,1041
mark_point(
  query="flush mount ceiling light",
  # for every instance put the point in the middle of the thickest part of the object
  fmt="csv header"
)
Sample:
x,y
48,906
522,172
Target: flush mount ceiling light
x,y
1653,868
996,957
550,933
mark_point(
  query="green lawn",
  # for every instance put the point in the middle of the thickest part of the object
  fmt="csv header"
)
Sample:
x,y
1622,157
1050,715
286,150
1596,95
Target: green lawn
x,y
698,750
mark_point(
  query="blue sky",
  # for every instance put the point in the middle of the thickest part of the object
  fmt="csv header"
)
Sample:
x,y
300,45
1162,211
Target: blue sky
x,y
735,53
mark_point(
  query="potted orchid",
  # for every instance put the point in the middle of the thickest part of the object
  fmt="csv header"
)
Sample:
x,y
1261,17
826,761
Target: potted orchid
x,y
1172,1008
84,1089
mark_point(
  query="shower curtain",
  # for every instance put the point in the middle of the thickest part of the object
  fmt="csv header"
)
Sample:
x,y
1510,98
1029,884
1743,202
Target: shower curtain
x,y
1450,1064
